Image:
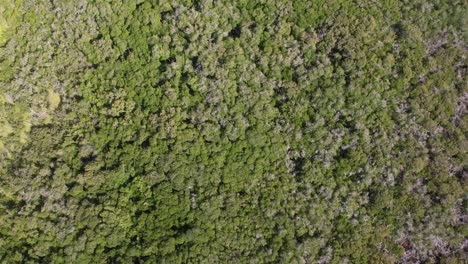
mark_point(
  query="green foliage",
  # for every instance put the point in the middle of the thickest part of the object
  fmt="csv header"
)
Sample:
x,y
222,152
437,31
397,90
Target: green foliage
x,y
232,131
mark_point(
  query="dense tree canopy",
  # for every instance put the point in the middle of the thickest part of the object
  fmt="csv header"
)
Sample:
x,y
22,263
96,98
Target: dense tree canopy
x,y
248,131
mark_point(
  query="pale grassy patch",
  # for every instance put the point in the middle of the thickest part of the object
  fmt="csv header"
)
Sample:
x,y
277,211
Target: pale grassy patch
x,y
3,26
54,99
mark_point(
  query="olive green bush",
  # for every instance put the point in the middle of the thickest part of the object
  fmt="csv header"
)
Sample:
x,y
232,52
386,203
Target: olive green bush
x,y
200,131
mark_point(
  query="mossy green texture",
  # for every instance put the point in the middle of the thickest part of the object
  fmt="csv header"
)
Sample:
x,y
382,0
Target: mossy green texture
x,y
266,131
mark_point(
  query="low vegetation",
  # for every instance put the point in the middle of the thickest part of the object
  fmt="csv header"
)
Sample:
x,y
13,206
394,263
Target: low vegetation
x,y
266,131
